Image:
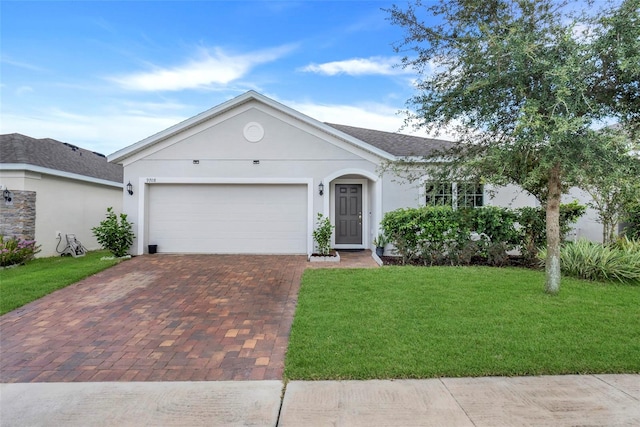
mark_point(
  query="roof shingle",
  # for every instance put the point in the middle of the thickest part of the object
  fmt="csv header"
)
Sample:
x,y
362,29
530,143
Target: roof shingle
x,y
395,143
52,154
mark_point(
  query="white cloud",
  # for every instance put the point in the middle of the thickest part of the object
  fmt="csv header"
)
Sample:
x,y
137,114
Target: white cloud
x,y
213,67
23,90
358,66
104,133
370,116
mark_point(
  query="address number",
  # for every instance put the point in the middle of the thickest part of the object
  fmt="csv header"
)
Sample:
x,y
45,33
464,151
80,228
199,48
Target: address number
x,y
151,180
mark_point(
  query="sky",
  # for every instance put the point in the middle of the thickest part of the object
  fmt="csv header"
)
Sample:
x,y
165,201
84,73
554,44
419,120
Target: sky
x,y
105,74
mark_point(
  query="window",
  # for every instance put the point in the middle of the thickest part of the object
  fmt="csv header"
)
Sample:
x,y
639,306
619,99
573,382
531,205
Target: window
x,y
439,194
470,195
461,194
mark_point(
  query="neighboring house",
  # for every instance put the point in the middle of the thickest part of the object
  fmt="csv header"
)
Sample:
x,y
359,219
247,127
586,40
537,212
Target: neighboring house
x,y
55,187
251,175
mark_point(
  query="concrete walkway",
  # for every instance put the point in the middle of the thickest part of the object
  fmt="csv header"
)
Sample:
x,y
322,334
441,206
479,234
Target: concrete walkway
x,y
594,400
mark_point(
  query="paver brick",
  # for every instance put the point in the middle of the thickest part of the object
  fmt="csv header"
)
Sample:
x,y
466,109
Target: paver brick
x,y
161,318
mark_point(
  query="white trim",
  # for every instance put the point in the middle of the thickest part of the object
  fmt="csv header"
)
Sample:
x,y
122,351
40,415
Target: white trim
x,y
145,182
59,173
377,209
365,210
251,95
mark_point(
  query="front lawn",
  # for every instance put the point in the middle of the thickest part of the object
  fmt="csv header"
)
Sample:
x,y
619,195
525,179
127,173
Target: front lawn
x,y
415,322
25,283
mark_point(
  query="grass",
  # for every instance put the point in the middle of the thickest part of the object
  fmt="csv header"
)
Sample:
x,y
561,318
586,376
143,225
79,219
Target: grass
x,y
25,283
413,322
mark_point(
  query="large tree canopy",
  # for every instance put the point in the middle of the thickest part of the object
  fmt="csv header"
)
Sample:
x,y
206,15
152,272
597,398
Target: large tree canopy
x,y
523,82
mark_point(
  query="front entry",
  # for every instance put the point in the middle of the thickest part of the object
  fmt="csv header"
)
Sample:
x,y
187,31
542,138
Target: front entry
x,y
348,214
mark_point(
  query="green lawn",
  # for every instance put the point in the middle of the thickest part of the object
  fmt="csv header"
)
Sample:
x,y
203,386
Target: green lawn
x,y
25,283
412,322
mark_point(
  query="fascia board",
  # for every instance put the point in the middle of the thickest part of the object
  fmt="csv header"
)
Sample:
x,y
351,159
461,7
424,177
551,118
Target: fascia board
x,y
121,155
59,173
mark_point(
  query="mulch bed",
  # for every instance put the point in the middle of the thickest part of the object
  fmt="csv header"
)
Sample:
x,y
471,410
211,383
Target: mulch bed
x,y
513,261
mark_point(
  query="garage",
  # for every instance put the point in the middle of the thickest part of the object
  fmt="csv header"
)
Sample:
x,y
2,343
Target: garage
x,y
228,218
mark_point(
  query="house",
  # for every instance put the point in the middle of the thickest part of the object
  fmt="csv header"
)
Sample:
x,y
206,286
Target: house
x,y
51,187
250,176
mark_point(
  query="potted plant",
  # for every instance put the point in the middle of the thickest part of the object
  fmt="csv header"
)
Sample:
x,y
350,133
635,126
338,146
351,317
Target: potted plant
x,y
380,242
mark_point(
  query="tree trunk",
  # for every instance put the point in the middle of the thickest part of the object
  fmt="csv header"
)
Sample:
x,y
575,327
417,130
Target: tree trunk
x,y
552,265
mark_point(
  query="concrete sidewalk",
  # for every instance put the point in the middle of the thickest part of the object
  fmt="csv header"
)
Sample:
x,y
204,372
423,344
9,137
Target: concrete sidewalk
x,y
594,400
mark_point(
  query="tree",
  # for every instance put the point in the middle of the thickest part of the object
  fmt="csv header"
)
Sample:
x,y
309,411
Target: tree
x,y
610,177
521,89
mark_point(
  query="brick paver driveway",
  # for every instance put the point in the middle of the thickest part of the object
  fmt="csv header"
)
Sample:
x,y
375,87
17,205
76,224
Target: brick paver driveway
x,y
159,318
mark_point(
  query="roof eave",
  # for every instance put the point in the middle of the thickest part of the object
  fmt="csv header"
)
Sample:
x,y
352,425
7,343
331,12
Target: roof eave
x,y
120,155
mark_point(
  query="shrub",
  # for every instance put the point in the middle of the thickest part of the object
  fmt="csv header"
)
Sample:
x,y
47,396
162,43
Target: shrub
x,y
322,234
594,261
15,251
632,221
115,235
429,235
533,226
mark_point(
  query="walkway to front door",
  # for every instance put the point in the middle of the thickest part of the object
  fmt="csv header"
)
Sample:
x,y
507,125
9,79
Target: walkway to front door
x,y
159,318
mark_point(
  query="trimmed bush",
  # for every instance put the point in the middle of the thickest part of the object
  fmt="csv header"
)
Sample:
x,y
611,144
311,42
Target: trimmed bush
x,y
594,261
115,233
533,226
15,251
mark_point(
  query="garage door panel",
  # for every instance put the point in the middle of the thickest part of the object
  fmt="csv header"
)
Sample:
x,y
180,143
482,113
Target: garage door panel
x,y
228,218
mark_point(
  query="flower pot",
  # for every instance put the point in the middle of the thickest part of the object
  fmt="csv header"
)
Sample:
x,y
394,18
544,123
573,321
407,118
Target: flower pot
x,y
379,251
153,249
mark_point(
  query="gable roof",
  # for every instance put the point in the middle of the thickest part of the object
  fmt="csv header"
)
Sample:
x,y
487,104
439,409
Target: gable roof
x,y
251,95
18,149
387,145
398,144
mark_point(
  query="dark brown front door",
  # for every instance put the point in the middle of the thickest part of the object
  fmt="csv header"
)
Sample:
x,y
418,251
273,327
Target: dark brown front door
x,y
348,214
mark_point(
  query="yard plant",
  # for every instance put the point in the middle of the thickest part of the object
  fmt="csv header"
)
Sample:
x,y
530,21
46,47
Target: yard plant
x,y
416,322
322,234
618,262
16,251
22,284
115,233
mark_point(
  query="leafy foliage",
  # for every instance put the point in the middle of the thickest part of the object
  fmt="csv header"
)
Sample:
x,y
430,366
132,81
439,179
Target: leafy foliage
x,y
533,226
115,233
594,261
16,251
436,235
610,176
521,90
322,234
632,220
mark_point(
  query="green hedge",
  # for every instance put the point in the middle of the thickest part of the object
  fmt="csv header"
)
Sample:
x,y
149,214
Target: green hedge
x,y
441,235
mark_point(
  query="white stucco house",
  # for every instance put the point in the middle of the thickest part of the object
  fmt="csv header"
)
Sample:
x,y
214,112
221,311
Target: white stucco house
x,y
251,174
52,188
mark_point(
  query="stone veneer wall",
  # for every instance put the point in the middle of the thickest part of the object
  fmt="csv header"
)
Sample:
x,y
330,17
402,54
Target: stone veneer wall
x,y
18,218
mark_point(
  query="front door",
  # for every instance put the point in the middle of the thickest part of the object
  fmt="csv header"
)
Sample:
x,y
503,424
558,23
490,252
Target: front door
x,y
348,214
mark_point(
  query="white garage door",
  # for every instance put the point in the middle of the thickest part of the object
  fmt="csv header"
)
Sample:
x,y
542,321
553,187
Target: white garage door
x,y
228,218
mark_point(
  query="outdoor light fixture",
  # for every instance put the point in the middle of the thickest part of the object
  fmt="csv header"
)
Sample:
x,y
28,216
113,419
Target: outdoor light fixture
x,y
8,195
321,188
130,188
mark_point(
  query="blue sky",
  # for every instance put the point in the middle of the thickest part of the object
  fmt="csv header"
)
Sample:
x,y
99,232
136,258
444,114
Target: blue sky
x,y
105,74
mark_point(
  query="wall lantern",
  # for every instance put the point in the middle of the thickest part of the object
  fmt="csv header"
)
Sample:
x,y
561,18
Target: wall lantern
x,y
321,188
8,195
130,188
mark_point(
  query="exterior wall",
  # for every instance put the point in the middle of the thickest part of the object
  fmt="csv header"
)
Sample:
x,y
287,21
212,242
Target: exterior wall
x,y
64,205
18,217
289,152
398,195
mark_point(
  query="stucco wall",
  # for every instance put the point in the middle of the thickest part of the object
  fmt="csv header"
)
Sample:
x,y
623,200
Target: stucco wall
x,y
288,150
65,205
